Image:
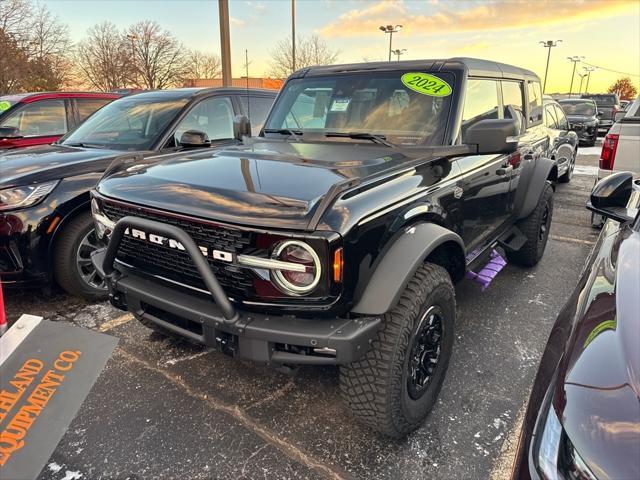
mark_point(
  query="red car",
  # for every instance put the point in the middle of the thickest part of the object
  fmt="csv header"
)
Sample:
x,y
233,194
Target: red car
x,y
41,118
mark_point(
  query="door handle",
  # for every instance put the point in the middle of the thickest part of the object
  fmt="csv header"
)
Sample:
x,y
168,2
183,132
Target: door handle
x,y
504,170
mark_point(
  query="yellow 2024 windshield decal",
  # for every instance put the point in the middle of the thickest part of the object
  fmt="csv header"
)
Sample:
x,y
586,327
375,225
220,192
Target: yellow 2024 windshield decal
x,y
426,84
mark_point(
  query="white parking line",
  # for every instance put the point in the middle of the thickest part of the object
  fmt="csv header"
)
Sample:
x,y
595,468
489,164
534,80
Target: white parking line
x,y
585,170
595,150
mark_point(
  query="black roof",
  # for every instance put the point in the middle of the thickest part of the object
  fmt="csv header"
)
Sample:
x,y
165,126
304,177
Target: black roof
x,y
179,93
474,67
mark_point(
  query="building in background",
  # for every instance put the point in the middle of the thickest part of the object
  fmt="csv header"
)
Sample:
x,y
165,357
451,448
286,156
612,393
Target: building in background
x,y
253,82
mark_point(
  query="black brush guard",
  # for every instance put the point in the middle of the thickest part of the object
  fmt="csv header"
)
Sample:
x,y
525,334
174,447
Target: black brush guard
x,y
255,336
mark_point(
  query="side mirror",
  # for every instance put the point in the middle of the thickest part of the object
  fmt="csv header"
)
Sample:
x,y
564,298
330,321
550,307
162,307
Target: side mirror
x,y
611,195
241,127
9,132
619,116
194,139
493,136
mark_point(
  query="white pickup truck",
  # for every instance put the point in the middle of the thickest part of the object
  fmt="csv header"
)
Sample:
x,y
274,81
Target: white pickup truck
x,y
621,147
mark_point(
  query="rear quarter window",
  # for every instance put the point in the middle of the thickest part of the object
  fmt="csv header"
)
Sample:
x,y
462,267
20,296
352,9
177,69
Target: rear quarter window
x,y
535,102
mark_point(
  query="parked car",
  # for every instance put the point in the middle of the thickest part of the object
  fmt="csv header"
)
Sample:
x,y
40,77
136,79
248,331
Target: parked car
x,y
608,105
41,118
620,148
563,144
583,117
583,416
335,236
46,230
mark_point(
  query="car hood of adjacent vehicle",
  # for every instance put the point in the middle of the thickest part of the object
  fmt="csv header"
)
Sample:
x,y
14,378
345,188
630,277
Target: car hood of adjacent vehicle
x,y
50,162
269,183
599,395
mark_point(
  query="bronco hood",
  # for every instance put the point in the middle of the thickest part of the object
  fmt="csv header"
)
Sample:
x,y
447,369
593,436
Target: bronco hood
x,y
50,162
267,183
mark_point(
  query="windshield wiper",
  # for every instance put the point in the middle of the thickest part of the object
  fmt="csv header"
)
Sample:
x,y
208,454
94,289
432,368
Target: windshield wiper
x,y
285,131
380,139
81,145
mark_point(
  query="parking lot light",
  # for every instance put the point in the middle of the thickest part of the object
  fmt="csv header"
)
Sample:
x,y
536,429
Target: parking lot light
x,y
390,29
549,44
575,59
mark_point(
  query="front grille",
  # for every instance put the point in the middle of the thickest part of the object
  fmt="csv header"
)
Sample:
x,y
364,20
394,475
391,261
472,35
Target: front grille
x,y
176,265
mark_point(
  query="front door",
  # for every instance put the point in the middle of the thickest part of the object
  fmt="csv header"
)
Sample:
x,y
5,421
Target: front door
x,y
484,188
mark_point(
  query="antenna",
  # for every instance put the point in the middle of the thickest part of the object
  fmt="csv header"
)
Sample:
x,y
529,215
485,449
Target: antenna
x,y
246,69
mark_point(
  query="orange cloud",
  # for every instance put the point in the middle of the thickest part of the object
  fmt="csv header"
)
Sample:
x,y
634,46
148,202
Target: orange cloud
x,y
493,15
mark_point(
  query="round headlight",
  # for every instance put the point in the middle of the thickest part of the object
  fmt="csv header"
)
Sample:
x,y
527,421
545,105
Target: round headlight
x,y
293,281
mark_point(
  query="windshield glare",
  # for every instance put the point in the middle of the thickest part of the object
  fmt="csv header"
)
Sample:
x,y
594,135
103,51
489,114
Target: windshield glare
x,y
379,104
127,124
579,108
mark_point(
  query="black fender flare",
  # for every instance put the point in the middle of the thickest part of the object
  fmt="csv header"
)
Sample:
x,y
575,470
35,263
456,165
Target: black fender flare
x,y
399,264
534,178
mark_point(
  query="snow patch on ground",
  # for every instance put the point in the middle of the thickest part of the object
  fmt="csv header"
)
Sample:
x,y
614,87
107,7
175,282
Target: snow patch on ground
x,y
54,467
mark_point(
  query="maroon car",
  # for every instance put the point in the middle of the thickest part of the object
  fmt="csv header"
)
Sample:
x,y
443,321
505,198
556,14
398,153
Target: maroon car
x,y
41,118
583,416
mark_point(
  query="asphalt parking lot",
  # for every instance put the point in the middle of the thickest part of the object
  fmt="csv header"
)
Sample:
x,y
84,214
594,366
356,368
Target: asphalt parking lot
x,y
163,408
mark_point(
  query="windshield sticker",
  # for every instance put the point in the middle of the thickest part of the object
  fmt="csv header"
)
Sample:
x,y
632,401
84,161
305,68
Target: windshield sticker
x,y
4,106
426,84
340,104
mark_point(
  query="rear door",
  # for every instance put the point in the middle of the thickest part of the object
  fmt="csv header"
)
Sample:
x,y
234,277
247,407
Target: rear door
x,y
38,123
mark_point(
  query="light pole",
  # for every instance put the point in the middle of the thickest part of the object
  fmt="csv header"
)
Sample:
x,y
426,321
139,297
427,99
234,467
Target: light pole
x,y
575,59
225,42
397,52
581,75
390,29
548,44
293,36
588,70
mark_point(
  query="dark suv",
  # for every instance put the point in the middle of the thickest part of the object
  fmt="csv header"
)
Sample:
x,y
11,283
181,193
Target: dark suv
x,y
46,229
608,105
335,237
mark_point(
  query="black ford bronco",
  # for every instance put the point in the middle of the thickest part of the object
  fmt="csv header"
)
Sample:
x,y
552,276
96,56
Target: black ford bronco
x,y
336,235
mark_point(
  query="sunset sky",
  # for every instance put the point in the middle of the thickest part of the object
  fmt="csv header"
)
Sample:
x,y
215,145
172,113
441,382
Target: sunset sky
x,y
605,32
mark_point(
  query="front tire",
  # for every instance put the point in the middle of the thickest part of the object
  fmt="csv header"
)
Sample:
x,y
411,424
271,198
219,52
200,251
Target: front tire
x,y
568,175
394,386
536,228
73,269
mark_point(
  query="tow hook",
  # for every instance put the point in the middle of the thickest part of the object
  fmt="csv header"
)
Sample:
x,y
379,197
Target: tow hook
x,y
227,343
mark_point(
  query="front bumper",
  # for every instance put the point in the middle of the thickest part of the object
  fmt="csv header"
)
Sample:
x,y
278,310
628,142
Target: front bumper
x,y
218,323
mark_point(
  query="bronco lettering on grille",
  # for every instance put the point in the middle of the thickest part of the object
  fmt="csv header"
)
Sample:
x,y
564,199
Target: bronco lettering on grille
x,y
220,255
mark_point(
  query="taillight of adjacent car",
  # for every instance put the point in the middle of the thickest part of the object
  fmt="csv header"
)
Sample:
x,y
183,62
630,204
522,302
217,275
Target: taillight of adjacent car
x,y
608,155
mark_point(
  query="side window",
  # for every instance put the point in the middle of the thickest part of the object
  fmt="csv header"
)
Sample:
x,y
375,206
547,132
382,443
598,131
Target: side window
x,y
550,117
480,103
562,119
213,116
513,102
257,108
38,119
87,106
535,102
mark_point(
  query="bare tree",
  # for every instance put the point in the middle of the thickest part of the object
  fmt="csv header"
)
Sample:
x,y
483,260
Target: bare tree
x,y
158,58
310,51
201,65
42,44
103,59
15,68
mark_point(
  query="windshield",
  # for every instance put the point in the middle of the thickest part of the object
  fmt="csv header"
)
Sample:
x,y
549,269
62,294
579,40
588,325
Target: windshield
x,y
603,100
407,108
7,102
579,108
132,123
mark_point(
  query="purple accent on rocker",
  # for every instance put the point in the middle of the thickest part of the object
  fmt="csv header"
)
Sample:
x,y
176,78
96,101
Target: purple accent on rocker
x,y
485,276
